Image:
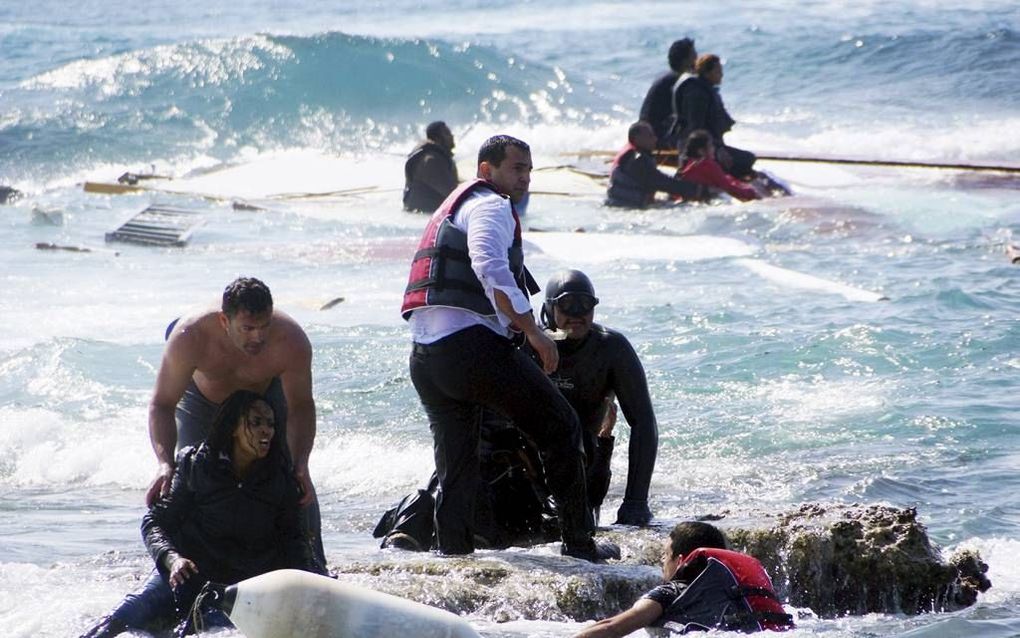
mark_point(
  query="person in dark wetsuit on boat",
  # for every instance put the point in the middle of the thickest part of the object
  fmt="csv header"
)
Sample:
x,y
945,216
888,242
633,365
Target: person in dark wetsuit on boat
x,y
231,514
657,107
598,367
245,345
706,587
635,177
430,174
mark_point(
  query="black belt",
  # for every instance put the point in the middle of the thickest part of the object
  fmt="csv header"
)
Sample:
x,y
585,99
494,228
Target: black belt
x,y
453,342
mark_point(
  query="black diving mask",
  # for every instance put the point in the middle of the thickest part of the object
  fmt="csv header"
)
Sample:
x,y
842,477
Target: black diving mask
x,y
574,304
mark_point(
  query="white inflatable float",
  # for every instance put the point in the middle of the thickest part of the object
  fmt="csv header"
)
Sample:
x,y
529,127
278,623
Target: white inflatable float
x,y
289,602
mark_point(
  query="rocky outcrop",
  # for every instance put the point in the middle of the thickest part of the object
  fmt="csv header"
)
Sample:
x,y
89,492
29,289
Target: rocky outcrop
x,y
834,560
839,560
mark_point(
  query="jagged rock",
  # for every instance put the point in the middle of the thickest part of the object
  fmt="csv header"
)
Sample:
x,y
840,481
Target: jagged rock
x,y
833,559
842,559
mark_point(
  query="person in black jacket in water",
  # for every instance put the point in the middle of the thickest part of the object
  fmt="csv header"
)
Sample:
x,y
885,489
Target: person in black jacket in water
x,y
657,107
699,106
598,367
430,174
231,514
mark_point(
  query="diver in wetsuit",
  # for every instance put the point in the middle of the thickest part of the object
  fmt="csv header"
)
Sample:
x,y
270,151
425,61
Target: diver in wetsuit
x,y
598,366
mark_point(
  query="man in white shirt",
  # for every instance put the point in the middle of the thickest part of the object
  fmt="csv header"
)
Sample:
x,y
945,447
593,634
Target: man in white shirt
x,y
467,297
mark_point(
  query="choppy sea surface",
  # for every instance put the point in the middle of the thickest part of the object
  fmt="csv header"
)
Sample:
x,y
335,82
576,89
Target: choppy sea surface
x,y
769,391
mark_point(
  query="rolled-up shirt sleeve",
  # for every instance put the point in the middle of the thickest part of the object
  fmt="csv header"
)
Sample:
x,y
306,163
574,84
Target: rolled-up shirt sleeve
x,y
489,224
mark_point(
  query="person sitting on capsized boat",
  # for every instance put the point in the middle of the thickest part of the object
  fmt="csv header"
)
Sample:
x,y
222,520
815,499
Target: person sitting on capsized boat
x,y
706,587
430,174
232,513
635,176
698,166
657,107
598,367
698,105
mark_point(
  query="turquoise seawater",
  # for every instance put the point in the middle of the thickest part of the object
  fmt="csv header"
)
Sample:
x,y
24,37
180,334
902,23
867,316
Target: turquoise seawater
x,y
770,391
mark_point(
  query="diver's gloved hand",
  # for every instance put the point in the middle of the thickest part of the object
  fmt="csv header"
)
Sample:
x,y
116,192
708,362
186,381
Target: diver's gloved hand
x,y
633,512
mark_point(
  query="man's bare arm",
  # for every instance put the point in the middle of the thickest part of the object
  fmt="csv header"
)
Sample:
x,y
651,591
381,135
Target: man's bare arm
x,y
175,373
297,388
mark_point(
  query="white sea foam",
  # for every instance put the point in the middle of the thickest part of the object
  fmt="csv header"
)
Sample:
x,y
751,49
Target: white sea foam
x,y
360,465
45,449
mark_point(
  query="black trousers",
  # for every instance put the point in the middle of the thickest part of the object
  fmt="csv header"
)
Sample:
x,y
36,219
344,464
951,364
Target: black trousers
x,y
743,162
456,378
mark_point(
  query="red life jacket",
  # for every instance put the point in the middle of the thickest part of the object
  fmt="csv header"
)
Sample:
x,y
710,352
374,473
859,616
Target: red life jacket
x,y
441,273
728,590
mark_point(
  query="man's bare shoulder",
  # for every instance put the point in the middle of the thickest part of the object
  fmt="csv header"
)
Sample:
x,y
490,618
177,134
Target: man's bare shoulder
x,y
290,336
194,331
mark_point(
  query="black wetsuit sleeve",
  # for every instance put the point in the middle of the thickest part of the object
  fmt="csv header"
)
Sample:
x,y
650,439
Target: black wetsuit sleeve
x,y
631,389
165,516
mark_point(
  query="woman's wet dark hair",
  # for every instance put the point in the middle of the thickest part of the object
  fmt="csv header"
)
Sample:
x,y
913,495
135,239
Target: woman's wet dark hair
x,y
228,419
697,144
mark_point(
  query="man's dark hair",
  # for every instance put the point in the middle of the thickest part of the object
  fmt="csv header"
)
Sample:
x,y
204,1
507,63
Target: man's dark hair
x,y
493,150
690,535
247,294
679,53
706,64
227,420
697,143
636,128
433,130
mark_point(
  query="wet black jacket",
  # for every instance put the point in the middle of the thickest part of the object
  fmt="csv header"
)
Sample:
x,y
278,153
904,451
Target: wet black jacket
x,y
230,529
430,174
699,106
603,363
636,178
657,108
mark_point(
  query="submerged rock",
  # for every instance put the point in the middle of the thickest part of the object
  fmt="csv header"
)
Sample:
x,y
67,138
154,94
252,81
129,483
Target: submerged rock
x,y
834,559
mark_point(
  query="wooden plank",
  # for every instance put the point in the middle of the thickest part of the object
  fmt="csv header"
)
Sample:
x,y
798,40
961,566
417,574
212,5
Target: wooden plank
x,y
104,188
